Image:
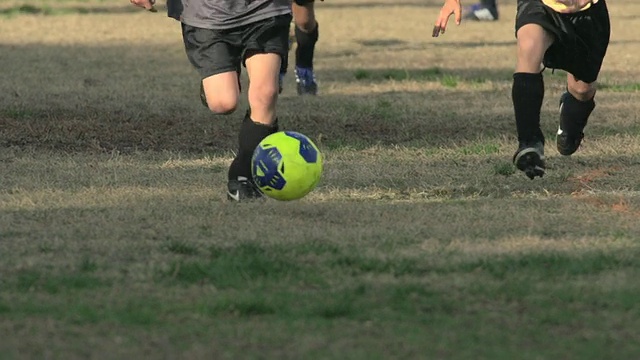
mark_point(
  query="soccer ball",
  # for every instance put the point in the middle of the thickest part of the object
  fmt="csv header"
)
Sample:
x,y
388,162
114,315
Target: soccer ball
x,y
286,165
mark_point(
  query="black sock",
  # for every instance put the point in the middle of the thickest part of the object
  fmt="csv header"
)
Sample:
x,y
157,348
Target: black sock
x,y
527,95
251,133
489,3
575,113
306,47
284,63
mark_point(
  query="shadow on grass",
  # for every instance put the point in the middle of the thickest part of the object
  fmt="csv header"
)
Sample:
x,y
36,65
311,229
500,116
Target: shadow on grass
x,y
107,101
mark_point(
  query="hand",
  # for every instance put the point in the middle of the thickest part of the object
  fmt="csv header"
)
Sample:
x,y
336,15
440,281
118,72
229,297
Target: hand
x,y
574,5
450,7
146,4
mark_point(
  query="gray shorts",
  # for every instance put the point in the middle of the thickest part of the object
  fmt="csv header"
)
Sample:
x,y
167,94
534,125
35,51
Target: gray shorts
x,y
214,52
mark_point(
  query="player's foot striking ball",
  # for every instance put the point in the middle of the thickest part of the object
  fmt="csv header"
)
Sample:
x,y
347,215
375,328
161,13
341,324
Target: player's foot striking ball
x,y
221,37
286,165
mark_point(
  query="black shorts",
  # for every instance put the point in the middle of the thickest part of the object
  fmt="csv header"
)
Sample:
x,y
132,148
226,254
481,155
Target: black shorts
x,y
581,39
303,2
214,52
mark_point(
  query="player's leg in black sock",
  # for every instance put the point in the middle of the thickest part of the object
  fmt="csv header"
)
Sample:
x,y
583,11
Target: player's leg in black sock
x,y
240,185
263,68
489,3
284,66
527,94
250,135
575,113
306,45
307,33
576,105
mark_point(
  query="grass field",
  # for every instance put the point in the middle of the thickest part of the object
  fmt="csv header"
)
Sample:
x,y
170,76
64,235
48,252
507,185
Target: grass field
x,y
421,241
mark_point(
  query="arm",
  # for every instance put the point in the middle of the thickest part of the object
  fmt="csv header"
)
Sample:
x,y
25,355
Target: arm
x,y
146,4
450,7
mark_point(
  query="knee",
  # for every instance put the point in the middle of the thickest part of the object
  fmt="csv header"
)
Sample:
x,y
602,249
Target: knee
x,y
533,42
530,55
529,48
222,105
306,25
582,91
263,96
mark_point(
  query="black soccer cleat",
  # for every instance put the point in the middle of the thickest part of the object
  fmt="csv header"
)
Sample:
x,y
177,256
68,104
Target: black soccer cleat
x,y
243,189
529,158
306,81
568,142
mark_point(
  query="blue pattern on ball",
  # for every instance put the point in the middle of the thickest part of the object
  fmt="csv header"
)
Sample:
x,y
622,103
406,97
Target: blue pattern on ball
x,y
307,151
268,160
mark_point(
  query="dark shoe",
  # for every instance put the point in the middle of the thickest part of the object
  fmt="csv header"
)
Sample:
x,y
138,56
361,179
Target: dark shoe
x,y
480,12
306,81
243,189
529,158
568,142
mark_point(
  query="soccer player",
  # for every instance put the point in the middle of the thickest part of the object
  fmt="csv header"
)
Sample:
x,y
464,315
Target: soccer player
x,y
220,36
485,10
306,33
572,35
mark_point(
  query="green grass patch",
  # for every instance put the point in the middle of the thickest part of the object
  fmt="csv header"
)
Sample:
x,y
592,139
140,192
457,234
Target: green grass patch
x,y
446,79
19,113
552,265
182,248
634,87
87,266
133,312
35,280
449,81
431,74
234,267
4,308
504,168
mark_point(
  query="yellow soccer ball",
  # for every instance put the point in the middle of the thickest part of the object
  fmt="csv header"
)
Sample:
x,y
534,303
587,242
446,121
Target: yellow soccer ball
x,y
286,165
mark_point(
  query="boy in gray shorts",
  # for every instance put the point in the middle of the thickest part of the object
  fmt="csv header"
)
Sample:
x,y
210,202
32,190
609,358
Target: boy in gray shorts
x,y
219,37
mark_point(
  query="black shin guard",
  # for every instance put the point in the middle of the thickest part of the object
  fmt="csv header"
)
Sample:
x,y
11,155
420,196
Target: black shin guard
x,y
489,4
306,47
575,113
527,95
250,135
